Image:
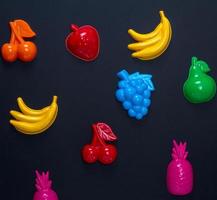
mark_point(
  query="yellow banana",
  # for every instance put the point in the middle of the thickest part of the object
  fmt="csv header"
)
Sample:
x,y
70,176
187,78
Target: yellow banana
x,y
158,48
142,37
155,46
141,45
46,121
42,130
155,50
28,111
26,118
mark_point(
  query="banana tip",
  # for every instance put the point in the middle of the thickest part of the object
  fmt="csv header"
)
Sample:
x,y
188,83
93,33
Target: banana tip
x,y
19,98
130,30
133,55
161,12
55,98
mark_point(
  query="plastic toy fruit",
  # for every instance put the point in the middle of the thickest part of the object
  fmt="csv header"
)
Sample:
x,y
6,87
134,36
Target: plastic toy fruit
x,y
199,87
179,171
134,93
9,52
83,42
17,47
30,121
43,186
151,45
98,150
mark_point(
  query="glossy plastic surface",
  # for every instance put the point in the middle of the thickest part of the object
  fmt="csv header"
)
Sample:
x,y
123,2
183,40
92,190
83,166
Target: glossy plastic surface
x,y
30,121
134,92
43,187
179,171
83,42
151,45
99,150
18,48
199,87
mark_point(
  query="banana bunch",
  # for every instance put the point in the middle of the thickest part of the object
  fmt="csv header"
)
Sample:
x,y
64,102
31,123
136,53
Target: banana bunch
x,y
153,44
30,121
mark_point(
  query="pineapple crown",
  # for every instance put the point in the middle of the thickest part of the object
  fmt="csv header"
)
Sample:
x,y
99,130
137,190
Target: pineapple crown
x,y
179,150
42,181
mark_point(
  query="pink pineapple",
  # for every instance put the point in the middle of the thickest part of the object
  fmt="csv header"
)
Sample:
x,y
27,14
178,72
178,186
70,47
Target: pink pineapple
x,y
43,186
179,171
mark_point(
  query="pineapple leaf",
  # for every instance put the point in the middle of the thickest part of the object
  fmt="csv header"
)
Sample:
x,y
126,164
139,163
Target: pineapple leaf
x,y
42,181
179,150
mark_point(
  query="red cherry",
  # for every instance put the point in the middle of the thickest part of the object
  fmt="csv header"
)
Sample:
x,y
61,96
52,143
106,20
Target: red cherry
x,y
9,52
107,154
83,42
27,51
90,153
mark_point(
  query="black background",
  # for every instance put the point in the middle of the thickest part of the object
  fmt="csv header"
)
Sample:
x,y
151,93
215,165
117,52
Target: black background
x,y
86,95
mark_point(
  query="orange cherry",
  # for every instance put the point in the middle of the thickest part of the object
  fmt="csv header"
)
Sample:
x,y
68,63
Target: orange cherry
x,y
9,52
27,51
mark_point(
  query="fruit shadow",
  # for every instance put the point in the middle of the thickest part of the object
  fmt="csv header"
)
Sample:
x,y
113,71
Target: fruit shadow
x,y
18,64
98,168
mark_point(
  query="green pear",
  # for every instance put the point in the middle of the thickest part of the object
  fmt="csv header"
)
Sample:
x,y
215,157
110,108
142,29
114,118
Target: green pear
x,y
199,87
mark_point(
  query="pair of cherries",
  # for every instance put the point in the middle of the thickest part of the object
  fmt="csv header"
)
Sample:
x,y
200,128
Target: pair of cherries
x,y
17,47
99,150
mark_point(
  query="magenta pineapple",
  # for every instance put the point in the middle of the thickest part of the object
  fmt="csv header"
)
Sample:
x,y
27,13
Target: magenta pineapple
x,y
179,171
43,186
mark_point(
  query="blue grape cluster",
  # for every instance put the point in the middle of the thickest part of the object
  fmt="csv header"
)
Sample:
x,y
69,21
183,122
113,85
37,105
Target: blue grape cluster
x,y
134,91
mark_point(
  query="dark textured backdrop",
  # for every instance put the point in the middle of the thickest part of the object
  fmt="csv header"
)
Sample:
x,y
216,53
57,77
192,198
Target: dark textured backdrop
x,y
86,95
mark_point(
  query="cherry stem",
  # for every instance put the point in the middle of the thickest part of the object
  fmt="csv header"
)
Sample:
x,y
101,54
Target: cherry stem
x,y
96,139
74,27
12,39
21,40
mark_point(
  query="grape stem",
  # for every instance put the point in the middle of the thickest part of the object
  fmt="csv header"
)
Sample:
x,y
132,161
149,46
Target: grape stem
x,y
123,75
96,141
13,28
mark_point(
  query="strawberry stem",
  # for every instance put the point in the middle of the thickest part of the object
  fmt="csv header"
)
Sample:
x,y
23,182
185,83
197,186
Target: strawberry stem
x,y
74,27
